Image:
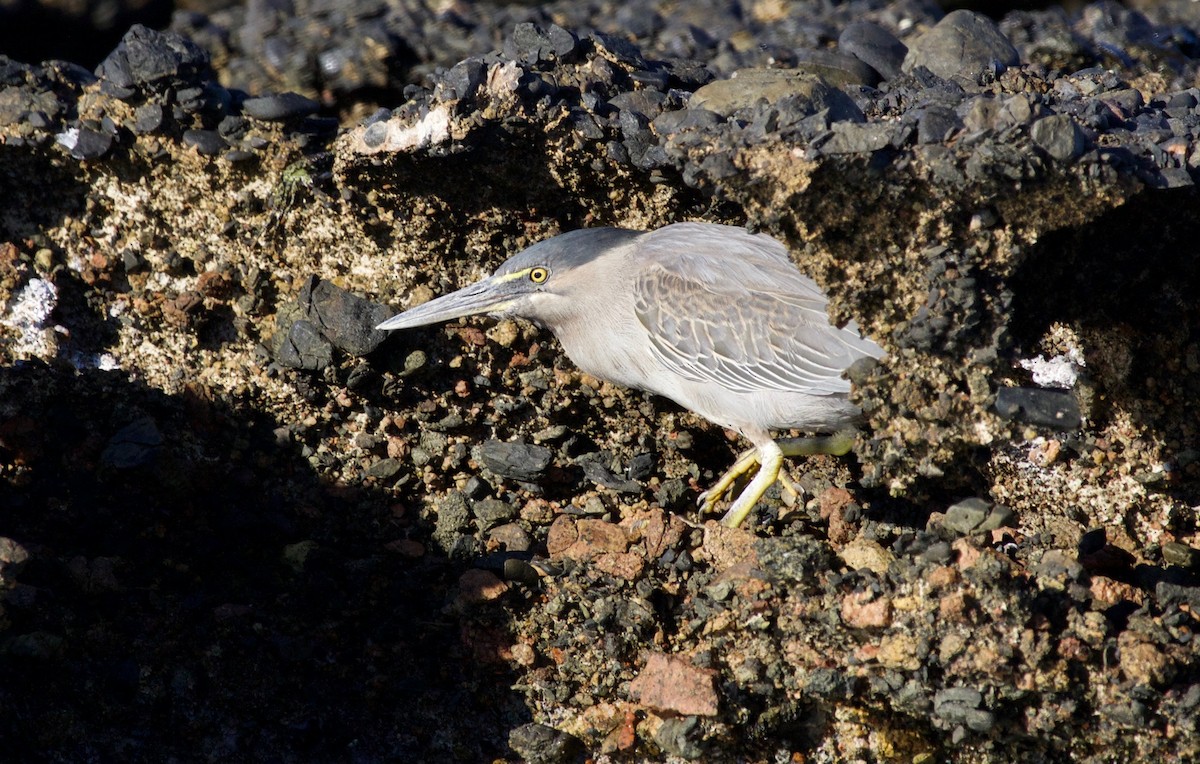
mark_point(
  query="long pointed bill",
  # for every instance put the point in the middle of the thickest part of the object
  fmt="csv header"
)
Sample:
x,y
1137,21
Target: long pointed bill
x,y
481,297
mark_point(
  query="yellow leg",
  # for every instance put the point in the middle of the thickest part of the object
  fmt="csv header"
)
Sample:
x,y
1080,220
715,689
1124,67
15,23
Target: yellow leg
x,y
768,457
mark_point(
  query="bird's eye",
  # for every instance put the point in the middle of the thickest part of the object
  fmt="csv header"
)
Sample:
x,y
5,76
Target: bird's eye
x,y
538,275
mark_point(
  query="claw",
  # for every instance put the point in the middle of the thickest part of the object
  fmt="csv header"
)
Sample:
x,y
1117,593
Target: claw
x,y
768,459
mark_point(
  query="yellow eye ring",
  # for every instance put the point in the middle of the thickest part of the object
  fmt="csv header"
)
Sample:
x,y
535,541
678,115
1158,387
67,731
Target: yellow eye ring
x,y
538,275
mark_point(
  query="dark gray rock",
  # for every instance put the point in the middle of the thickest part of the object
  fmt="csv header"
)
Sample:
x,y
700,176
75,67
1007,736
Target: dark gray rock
x,y
465,77
279,107
146,58
691,118
967,515
597,470
874,46
1059,137
936,123
851,138
516,460
837,69
207,142
960,705
541,744
531,44
492,512
1057,409
646,102
134,445
680,736
453,519
619,49
147,118
1182,555
302,346
962,45
347,320
91,144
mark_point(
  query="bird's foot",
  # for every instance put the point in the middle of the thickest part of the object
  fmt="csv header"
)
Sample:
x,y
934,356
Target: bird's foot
x,y
746,463
766,462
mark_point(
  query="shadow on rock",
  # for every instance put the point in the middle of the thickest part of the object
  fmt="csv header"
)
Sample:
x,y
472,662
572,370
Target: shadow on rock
x,y
189,584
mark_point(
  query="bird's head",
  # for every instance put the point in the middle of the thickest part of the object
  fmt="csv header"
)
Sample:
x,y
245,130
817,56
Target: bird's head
x,y
537,283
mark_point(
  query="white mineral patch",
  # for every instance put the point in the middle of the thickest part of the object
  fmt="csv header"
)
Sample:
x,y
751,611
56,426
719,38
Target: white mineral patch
x,y
1059,371
28,314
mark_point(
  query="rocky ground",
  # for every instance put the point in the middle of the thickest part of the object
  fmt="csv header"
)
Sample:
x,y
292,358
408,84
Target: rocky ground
x,y
238,524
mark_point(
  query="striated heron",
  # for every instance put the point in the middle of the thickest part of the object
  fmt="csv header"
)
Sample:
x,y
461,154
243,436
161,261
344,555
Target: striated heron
x,y
713,317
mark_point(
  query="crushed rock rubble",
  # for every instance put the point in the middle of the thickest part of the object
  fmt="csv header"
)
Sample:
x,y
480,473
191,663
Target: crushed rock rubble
x,y
311,540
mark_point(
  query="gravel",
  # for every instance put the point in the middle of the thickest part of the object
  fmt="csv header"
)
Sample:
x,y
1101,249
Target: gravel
x,y
225,495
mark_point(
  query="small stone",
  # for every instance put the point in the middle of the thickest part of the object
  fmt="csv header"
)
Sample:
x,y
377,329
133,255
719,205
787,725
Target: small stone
x,y
207,142
516,460
864,610
135,445
865,554
465,77
671,684
837,69
875,46
937,123
749,86
478,586
279,107
963,44
91,144
1182,555
967,515
1059,137
345,319
584,539
146,57
541,744
1057,409
147,118
678,736
385,469
303,346
511,537
490,513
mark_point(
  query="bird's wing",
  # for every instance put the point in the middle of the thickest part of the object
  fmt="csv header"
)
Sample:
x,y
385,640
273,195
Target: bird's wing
x,y
726,306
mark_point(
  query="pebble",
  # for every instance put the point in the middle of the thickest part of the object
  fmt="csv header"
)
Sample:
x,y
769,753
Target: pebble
x,y
1059,137
207,142
747,87
345,319
967,515
515,460
302,346
1056,409
541,744
147,118
490,513
279,107
673,685
149,58
135,445
91,144
963,45
874,46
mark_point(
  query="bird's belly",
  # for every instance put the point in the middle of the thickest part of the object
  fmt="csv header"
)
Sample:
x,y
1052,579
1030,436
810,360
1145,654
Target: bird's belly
x,y
765,410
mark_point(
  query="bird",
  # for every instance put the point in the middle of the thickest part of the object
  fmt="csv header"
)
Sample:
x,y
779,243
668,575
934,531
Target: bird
x,y
711,316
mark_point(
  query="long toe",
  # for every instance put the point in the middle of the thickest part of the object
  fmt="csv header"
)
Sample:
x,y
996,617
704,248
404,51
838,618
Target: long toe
x,y
771,458
745,463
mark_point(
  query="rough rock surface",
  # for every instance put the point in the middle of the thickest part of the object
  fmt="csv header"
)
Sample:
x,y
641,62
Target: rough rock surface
x,y
232,522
